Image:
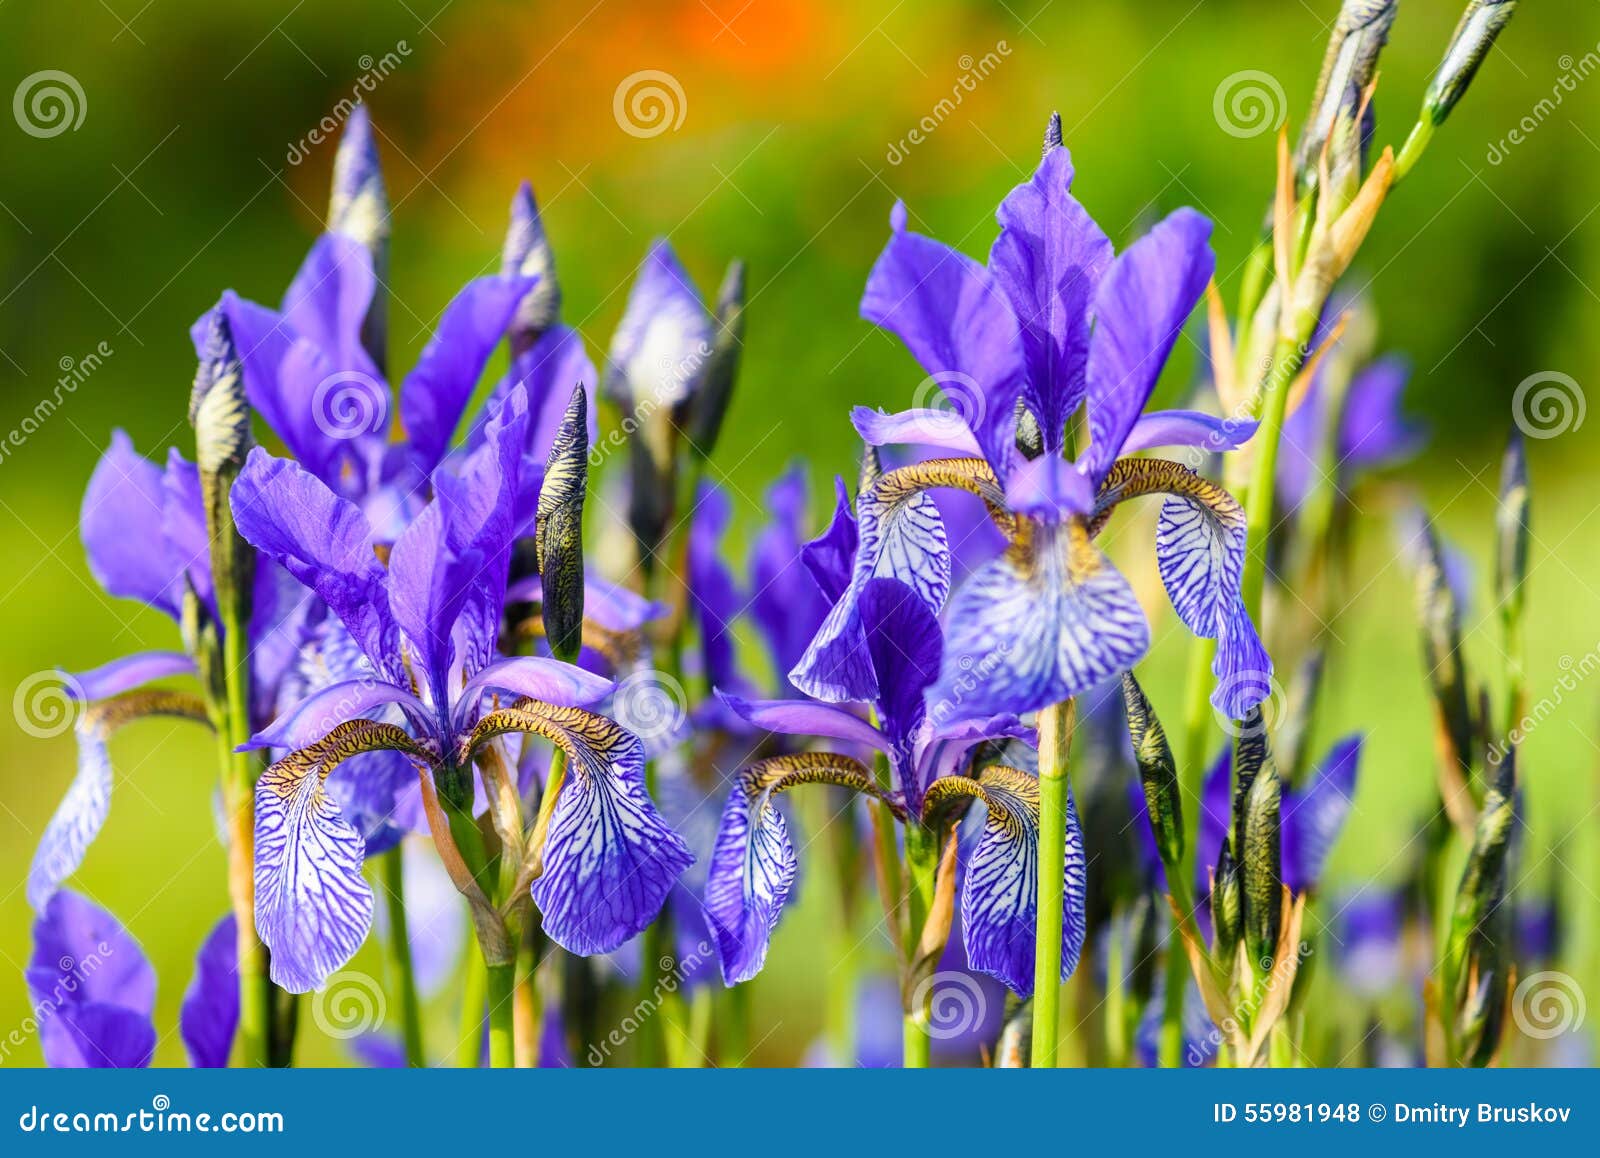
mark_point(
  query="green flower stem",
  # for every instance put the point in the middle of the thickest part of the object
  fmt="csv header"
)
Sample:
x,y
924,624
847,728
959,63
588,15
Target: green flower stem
x,y
1416,144
1055,743
733,1027
1287,358
405,976
501,993
474,993
922,870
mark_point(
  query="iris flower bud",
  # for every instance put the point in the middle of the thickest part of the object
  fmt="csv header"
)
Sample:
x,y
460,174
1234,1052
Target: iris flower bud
x,y
527,252
1258,834
1441,649
1157,772
558,530
1475,34
709,403
1359,34
358,207
1226,906
217,406
1511,560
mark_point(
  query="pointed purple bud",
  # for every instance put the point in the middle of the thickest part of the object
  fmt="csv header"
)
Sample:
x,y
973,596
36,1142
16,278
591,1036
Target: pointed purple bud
x,y
217,407
1052,133
359,208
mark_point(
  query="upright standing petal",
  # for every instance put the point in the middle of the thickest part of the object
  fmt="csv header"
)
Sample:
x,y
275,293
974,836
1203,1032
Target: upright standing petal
x,y
663,339
1048,259
956,322
1140,307
120,523
1314,815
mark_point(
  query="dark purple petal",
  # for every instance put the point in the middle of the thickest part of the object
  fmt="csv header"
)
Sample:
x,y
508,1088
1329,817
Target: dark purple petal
x,y
903,539
1369,946
1242,667
434,394
127,673
183,525
831,556
1140,308
1031,628
1216,811
1161,428
1048,259
609,858
956,322
1000,892
210,1013
905,645
324,542
664,337
804,718
120,524
1314,815
547,371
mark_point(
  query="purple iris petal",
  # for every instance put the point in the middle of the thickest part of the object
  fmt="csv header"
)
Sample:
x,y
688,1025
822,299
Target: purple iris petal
x,y
548,371
1369,945
1140,308
1314,814
313,907
714,596
905,645
120,523
752,873
183,525
953,318
664,337
1048,259
1000,894
1372,431
1161,428
210,1013
902,539
92,988
785,603
1028,630
1050,489
324,542
806,718
480,511
322,711
548,680
77,820
609,857
1216,810
830,557
941,429
127,673
327,301
616,608
434,394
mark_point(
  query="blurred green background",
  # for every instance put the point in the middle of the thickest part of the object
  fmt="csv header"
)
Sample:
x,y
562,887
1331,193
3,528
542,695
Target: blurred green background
x,y
179,182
